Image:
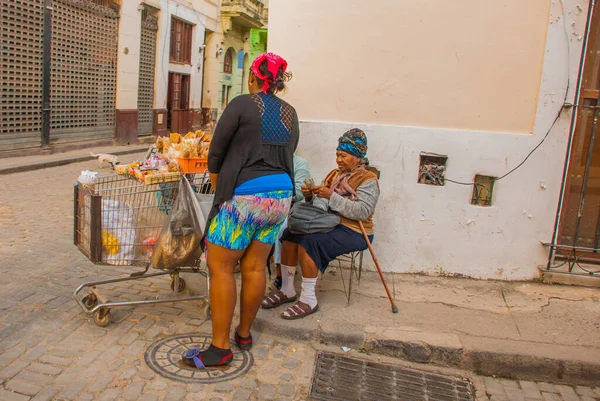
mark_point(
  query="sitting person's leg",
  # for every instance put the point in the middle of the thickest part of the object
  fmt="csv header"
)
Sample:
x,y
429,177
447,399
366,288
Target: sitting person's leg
x,y
315,252
289,260
276,284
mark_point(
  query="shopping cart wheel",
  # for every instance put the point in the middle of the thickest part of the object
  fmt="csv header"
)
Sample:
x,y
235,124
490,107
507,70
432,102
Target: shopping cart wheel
x,y
207,310
90,301
181,284
102,317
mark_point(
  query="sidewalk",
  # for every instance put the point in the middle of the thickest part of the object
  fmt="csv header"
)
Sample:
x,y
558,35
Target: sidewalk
x,y
29,163
528,331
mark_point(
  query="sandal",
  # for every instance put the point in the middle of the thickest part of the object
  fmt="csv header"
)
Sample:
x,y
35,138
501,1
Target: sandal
x,y
211,358
243,343
298,311
275,299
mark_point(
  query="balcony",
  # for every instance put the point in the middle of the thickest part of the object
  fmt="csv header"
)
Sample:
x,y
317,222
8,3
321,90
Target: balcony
x,y
246,13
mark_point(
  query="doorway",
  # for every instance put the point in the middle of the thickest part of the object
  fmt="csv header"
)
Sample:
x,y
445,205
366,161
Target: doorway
x,y
178,99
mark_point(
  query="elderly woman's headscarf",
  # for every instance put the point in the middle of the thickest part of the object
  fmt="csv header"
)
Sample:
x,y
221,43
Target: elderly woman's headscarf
x,y
274,63
354,142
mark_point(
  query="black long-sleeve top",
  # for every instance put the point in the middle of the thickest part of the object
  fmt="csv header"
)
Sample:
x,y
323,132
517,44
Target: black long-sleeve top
x,y
256,135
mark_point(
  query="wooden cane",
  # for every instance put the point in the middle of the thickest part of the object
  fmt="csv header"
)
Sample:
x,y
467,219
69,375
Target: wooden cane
x,y
362,228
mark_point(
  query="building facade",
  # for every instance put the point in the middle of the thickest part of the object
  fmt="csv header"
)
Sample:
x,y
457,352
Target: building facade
x,y
453,98
243,25
115,70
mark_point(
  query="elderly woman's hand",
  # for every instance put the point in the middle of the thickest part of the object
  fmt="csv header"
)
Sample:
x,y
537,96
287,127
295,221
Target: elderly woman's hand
x,y
306,192
322,191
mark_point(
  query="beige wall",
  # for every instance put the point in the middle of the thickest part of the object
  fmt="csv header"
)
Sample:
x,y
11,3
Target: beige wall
x,y
464,64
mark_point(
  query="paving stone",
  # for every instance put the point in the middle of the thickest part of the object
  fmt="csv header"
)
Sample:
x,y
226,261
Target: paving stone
x,y
110,395
152,333
224,387
514,394
266,392
267,340
101,383
196,388
128,338
278,355
36,353
583,398
242,394
35,378
129,373
286,377
10,396
547,387
88,358
585,391
116,365
195,322
10,355
135,348
260,353
134,390
291,363
159,385
149,397
44,368
175,393
509,383
22,387
248,383
215,399
46,394
551,397
530,390
493,386
499,397
567,393
287,389
86,397
147,375
13,369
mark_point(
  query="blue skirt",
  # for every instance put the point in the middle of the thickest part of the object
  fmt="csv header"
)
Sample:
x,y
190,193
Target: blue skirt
x,y
325,247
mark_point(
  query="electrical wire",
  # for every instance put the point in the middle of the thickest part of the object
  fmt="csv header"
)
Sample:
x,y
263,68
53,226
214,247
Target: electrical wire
x,y
562,107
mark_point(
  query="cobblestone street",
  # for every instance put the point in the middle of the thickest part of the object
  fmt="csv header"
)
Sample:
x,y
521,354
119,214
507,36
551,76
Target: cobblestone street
x,y
50,350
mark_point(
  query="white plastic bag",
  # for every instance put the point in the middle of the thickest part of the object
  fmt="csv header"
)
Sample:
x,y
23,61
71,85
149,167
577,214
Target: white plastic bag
x,y
118,222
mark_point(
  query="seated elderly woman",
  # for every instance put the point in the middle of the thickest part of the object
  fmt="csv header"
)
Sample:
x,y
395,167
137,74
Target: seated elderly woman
x,y
352,192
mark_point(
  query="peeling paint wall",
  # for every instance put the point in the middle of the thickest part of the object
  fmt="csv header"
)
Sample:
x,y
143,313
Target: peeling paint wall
x,y
479,82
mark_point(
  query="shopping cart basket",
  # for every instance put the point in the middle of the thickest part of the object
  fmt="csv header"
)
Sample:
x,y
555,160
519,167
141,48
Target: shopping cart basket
x,y
117,222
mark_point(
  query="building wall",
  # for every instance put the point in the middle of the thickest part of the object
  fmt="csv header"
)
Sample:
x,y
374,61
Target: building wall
x,y
203,16
236,39
480,83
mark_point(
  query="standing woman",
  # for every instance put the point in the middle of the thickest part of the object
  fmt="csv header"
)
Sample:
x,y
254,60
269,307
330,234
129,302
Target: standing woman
x,y
251,166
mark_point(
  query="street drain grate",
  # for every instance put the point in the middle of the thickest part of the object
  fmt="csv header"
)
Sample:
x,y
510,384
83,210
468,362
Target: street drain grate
x,y
339,377
164,357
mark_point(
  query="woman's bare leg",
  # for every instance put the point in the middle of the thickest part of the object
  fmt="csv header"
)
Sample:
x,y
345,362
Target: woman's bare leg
x,y
253,284
223,291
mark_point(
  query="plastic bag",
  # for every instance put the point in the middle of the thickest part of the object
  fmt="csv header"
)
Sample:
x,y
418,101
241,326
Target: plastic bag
x,y
179,241
119,233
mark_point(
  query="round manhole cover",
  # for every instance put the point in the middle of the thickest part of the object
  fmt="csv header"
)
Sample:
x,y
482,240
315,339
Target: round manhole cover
x,y
164,357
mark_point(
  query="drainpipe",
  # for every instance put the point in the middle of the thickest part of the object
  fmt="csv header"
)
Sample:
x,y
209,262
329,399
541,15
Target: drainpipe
x,y
46,61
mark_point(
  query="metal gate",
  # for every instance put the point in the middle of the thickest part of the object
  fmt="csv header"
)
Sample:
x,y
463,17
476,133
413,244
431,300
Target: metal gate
x,y
21,36
147,68
576,245
84,70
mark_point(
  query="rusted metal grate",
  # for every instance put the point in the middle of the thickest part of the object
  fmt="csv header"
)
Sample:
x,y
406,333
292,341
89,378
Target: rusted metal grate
x,y
339,377
21,30
147,70
84,70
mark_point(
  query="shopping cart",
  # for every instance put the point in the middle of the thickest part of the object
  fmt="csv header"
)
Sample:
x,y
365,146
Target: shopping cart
x,y
117,222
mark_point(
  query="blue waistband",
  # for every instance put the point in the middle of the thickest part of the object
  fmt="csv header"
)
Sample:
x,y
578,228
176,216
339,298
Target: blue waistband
x,y
266,183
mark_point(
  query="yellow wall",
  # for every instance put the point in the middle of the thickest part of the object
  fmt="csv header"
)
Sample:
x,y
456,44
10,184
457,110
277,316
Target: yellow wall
x,y
462,64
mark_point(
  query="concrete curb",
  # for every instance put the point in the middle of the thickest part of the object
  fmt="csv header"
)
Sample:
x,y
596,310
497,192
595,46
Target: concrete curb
x,y
485,356
61,162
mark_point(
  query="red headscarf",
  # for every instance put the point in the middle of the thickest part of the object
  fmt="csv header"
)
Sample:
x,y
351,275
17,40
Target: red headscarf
x,y
274,62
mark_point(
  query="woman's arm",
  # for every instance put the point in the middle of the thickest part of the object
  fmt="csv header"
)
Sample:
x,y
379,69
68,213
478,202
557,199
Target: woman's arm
x,y
224,133
360,209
